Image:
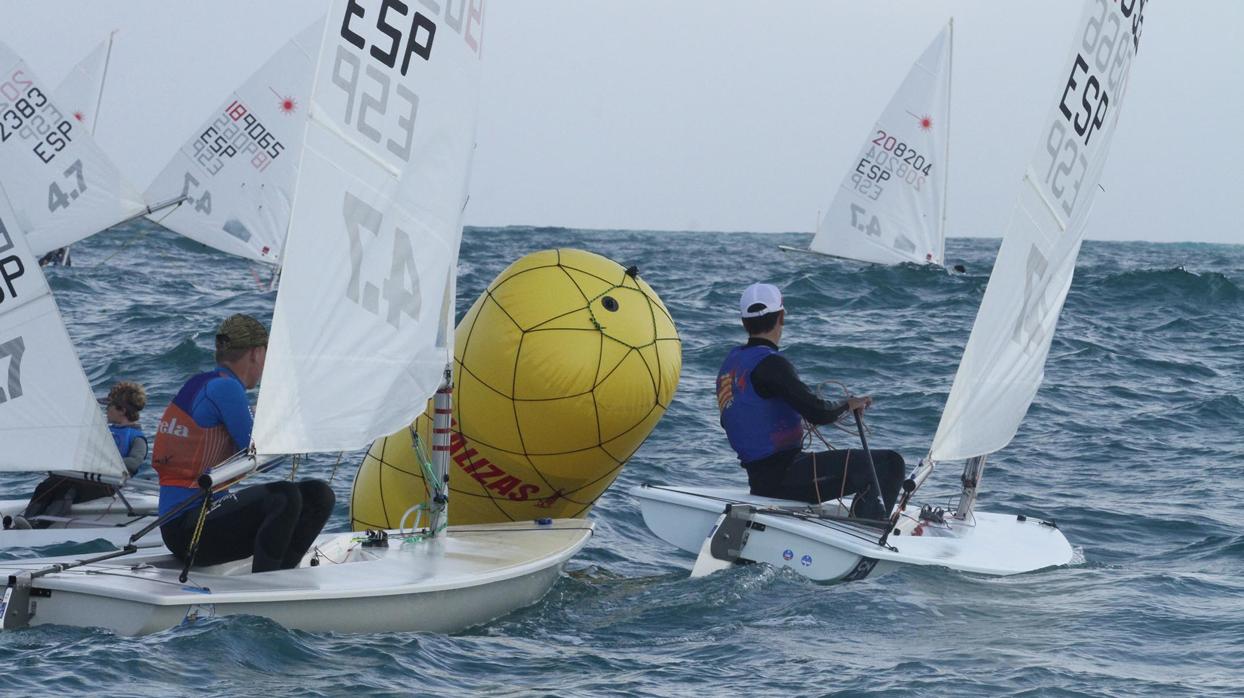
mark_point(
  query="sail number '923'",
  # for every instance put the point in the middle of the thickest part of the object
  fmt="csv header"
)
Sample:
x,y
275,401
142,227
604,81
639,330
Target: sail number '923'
x,y
372,74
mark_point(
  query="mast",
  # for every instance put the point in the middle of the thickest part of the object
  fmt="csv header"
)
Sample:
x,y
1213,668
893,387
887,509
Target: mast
x,y
99,99
442,422
973,469
950,81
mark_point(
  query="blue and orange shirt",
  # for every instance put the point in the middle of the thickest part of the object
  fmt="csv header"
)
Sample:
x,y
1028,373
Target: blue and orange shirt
x,y
208,421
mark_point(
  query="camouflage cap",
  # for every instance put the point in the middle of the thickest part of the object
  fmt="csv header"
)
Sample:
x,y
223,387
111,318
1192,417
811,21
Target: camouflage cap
x,y
241,332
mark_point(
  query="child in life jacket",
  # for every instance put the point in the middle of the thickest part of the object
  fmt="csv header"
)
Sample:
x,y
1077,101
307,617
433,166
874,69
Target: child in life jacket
x,y
54,497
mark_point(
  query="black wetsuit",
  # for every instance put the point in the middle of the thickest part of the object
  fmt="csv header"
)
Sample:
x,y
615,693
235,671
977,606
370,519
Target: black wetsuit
x,y
823,475
276,522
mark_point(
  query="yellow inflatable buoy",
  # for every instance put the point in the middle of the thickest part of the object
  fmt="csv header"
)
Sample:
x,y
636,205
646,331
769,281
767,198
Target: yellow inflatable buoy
x,y
561,369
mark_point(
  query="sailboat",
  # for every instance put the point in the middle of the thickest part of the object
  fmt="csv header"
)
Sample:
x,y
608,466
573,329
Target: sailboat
x,y
891,205
48,414
69,214
81,93
239,168
361,338
998,376
60,185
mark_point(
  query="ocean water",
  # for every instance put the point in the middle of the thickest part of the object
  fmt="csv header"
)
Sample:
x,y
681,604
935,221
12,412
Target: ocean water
x,y
1133,445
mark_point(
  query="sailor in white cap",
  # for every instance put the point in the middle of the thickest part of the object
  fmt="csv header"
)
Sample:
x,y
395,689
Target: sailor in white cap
x,y
763,406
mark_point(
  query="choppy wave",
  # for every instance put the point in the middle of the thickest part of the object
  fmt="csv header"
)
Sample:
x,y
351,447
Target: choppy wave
x,y
1134,445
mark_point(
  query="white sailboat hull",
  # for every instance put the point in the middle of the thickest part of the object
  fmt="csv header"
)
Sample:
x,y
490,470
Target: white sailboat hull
x,y
467,576
105,519
795,535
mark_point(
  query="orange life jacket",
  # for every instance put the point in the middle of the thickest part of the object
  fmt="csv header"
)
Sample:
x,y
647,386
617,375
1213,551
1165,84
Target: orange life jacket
x,y
184,450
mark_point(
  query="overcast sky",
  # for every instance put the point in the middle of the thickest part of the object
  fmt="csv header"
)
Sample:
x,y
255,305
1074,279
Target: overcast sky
x,y
718,114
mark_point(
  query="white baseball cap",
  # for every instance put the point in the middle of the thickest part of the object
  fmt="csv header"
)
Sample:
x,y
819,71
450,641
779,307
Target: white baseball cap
x,y
767,296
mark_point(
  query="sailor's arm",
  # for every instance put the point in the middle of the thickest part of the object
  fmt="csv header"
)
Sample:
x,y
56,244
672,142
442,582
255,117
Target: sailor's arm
x,y
138,453
229,398
775,377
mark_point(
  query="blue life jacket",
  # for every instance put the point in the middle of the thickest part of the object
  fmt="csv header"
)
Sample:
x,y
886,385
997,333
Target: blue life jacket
x,y
757,427
124,435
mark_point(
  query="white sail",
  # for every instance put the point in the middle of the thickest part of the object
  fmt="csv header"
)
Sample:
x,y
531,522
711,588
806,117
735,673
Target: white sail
x,y
82,90
361,331
49,419
890,207
239,168
60,184
1004,360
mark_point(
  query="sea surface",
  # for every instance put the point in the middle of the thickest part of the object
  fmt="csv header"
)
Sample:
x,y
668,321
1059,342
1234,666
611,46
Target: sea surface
x,y
1134,445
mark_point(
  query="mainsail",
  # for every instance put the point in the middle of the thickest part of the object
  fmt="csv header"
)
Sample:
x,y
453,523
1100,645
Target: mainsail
x,y
239,168
891,205
48,416
60,184
82,90
362,329
1004,361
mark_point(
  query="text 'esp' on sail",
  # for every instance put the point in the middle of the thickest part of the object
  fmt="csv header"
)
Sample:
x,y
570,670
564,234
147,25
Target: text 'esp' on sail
x,y
1004,361
362,330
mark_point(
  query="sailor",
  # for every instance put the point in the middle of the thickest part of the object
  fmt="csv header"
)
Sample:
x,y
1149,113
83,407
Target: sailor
x,y
57,494
763,405
209,421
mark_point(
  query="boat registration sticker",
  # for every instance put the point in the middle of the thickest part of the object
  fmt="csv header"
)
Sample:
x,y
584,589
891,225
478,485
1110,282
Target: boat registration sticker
x,y
788,554
806,560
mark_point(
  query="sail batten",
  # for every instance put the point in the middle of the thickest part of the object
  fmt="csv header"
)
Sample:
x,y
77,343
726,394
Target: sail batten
x,y
890,207
1004,361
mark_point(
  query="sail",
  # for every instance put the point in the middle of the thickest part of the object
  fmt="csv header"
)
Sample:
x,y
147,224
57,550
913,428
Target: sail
x,y
891,205
82,90
1004,360
239,167
362,330
49,419
60,184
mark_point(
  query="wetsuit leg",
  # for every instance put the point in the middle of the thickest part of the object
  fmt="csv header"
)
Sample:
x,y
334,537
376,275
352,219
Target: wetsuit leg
x,y
56,494
817,477
257,520
891,471
317,505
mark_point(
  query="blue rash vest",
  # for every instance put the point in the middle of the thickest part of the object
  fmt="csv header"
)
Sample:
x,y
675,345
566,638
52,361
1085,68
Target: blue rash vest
x,y
124,435
757,427
213,399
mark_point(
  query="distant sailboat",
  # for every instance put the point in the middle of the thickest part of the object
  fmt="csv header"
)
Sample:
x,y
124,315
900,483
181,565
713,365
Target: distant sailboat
x,y
82,93
998,377
891,206
59,184
239,169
